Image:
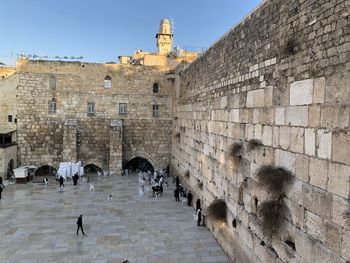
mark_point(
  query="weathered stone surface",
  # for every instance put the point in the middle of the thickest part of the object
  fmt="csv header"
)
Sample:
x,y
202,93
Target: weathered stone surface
x,y
339,152
297,116
301,92
318,173
324,143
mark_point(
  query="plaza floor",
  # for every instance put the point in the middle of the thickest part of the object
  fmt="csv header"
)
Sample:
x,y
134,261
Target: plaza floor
x,y
39,225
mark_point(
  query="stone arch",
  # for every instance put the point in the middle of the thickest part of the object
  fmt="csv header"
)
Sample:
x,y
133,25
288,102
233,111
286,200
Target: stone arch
x,y
139,163
10,167
129,156
46,170
92,168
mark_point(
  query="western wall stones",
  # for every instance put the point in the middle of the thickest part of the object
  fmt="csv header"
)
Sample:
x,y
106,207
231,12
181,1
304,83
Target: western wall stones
x,y
280,76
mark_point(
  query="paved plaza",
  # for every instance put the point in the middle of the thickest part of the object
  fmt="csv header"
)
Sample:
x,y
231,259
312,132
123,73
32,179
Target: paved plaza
x,y
39,225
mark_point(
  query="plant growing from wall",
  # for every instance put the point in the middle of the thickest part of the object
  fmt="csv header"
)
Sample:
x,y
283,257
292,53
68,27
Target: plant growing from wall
x,y
292,46
253,144
236,150
200,185
217,210
274,179
187,174
271,213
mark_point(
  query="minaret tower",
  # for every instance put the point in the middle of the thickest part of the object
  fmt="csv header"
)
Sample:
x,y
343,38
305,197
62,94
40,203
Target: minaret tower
x,y
164,37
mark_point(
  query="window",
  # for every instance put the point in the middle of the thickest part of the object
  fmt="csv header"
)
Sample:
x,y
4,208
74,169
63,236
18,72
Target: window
x,y
155,110
52,82
9,118
52,106
123,110
108,82
91,107
155,88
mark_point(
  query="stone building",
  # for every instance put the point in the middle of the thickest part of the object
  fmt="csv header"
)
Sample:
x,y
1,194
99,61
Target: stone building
x,y
271,95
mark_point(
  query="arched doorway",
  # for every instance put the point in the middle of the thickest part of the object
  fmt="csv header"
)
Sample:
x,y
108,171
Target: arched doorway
x,y
140,164
10,167
92,169
45,170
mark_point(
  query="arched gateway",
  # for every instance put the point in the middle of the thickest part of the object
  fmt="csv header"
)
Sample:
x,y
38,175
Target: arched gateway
x,y
138,163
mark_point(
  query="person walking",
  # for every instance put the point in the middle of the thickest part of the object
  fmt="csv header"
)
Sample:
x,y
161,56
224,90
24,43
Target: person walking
x,y
61,180
177,195
177,182
198,204
1,189
189,198
80,224
199,217
75,178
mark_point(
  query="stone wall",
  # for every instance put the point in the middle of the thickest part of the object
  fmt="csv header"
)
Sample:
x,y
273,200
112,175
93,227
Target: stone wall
x,y
8,91
71,134
6,155
281,77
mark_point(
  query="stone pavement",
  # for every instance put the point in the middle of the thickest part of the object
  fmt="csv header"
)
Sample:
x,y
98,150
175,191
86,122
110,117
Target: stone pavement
x,y
39,225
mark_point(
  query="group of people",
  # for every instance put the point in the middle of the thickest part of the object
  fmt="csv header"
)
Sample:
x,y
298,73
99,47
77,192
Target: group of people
x,y
179,190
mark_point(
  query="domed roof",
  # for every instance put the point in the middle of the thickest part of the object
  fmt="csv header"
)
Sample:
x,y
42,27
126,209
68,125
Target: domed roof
x,y
165,21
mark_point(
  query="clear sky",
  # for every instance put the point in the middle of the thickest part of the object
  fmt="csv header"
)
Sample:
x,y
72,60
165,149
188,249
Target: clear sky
x,y
100,30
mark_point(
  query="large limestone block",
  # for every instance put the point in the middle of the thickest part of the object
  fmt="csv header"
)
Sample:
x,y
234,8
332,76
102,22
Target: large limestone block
x,y
297,140
255,98
285,159
319,90
333,237
339,179
305,246
315,226
324,143
317,201
338,88
302,168
267,135
335,116
314,115
340,207
284,139
310,142
318,173
301,92
340,147
297,116
280,116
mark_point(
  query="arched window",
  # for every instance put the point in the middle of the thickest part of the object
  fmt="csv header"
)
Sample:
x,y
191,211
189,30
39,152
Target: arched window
x,y
108,82
52,82
155,88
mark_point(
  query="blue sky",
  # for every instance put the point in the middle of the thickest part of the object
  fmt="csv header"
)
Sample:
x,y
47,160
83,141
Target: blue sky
x,y
100,30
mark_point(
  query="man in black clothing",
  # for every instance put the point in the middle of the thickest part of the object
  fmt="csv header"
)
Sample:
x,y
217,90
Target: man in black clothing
x,y
177,182
177,195
75,178
1,186
199,217
198,204
189,198
80,224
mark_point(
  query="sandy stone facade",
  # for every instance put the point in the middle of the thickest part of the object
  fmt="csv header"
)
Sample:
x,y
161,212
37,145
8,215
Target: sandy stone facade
x,y
280,77
105,136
